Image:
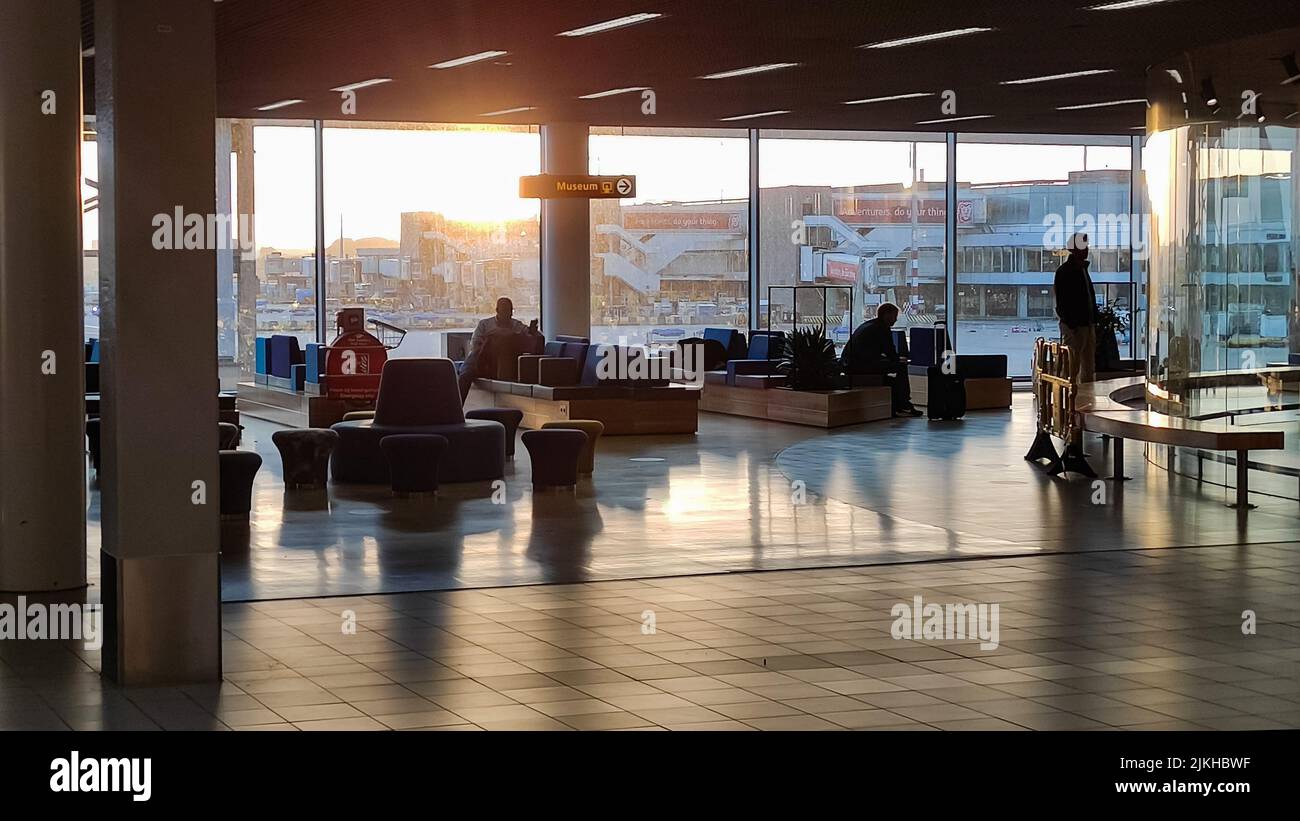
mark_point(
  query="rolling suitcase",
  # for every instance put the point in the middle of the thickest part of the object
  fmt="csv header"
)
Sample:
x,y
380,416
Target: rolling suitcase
x,y
946,391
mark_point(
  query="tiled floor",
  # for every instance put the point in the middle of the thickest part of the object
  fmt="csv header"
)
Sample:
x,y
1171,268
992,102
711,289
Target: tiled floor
x,y
1133,639
742,495
635,602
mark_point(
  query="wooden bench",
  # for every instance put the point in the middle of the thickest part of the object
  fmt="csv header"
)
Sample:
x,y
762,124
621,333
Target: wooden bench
x,y
1172,431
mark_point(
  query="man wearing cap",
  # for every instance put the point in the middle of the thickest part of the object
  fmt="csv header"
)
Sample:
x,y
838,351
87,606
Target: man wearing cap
x,y
1076,306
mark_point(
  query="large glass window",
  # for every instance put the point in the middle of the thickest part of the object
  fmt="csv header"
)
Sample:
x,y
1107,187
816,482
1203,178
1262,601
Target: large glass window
x,y
424,226
855,208
90,235
675,259
1018,193
272,190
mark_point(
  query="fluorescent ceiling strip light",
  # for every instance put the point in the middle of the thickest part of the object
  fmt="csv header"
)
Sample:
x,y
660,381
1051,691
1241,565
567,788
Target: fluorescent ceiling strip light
x,y
363,84
1049,77
277,104
469,58
892,97
1097,105
741,72
926,38
612,92
509,111
752,116
610,25
956,119
1125,5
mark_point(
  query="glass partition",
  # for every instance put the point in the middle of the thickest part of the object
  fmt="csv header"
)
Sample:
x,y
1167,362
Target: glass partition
x,y
1224,327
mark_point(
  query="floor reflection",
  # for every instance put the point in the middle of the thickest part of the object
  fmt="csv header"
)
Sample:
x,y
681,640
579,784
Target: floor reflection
x,y
742,495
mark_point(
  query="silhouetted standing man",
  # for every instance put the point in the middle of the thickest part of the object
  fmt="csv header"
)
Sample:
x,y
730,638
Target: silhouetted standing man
x,y
1076,307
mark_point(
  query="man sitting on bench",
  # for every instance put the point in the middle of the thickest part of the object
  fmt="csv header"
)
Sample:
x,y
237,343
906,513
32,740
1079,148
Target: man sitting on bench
x,y
498,329
871,351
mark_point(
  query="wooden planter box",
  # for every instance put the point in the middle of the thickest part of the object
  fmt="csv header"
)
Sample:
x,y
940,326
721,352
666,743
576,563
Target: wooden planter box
x,y
983,393
621,417
819,409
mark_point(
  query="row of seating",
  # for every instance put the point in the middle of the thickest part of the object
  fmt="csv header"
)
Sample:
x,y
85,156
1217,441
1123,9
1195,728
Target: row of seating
x,y
281,361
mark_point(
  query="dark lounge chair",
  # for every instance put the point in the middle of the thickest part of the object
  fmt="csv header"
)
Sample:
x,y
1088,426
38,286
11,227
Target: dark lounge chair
x,y
420,396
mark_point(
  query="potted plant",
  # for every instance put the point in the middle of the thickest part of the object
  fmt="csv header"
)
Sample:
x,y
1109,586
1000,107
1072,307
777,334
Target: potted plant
x,y
808,360
1110,323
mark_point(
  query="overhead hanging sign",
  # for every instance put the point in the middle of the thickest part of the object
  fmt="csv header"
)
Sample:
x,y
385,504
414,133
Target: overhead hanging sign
x,y
577,186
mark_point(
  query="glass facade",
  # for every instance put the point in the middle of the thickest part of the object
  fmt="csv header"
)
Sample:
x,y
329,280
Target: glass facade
x,y
277,293
860,209
90,235
423,226
675,259
1019,200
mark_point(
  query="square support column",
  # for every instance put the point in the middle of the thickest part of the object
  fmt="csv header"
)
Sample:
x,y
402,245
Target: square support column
x,y
566,236
155,95
42,411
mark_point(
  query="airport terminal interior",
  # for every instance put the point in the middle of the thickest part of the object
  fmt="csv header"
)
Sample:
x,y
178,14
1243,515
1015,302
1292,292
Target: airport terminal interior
x,y
396,365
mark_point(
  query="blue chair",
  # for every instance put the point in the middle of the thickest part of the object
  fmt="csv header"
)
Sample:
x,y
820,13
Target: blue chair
x,y
765,350
927,345
261,359
731,339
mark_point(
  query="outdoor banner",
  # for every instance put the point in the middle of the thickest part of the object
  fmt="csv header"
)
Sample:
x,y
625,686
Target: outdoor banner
x,y
682,220
870,209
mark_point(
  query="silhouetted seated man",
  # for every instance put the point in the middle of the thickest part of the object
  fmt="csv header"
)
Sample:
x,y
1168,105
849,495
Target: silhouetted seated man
x,y
871,351
498,329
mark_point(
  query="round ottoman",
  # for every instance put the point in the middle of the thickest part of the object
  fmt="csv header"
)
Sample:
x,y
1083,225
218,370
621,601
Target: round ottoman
x,y
413,461
554,454
508,417
305,454
227,436
238,468
593,429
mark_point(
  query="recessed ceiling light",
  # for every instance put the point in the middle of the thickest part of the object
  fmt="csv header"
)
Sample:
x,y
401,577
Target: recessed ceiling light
x,y
469,58
926,38
1125,5
956,119
277,104
363,84
892,97
609,25
612,92
1049,77
752,116
741,72
1098,105
509,111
